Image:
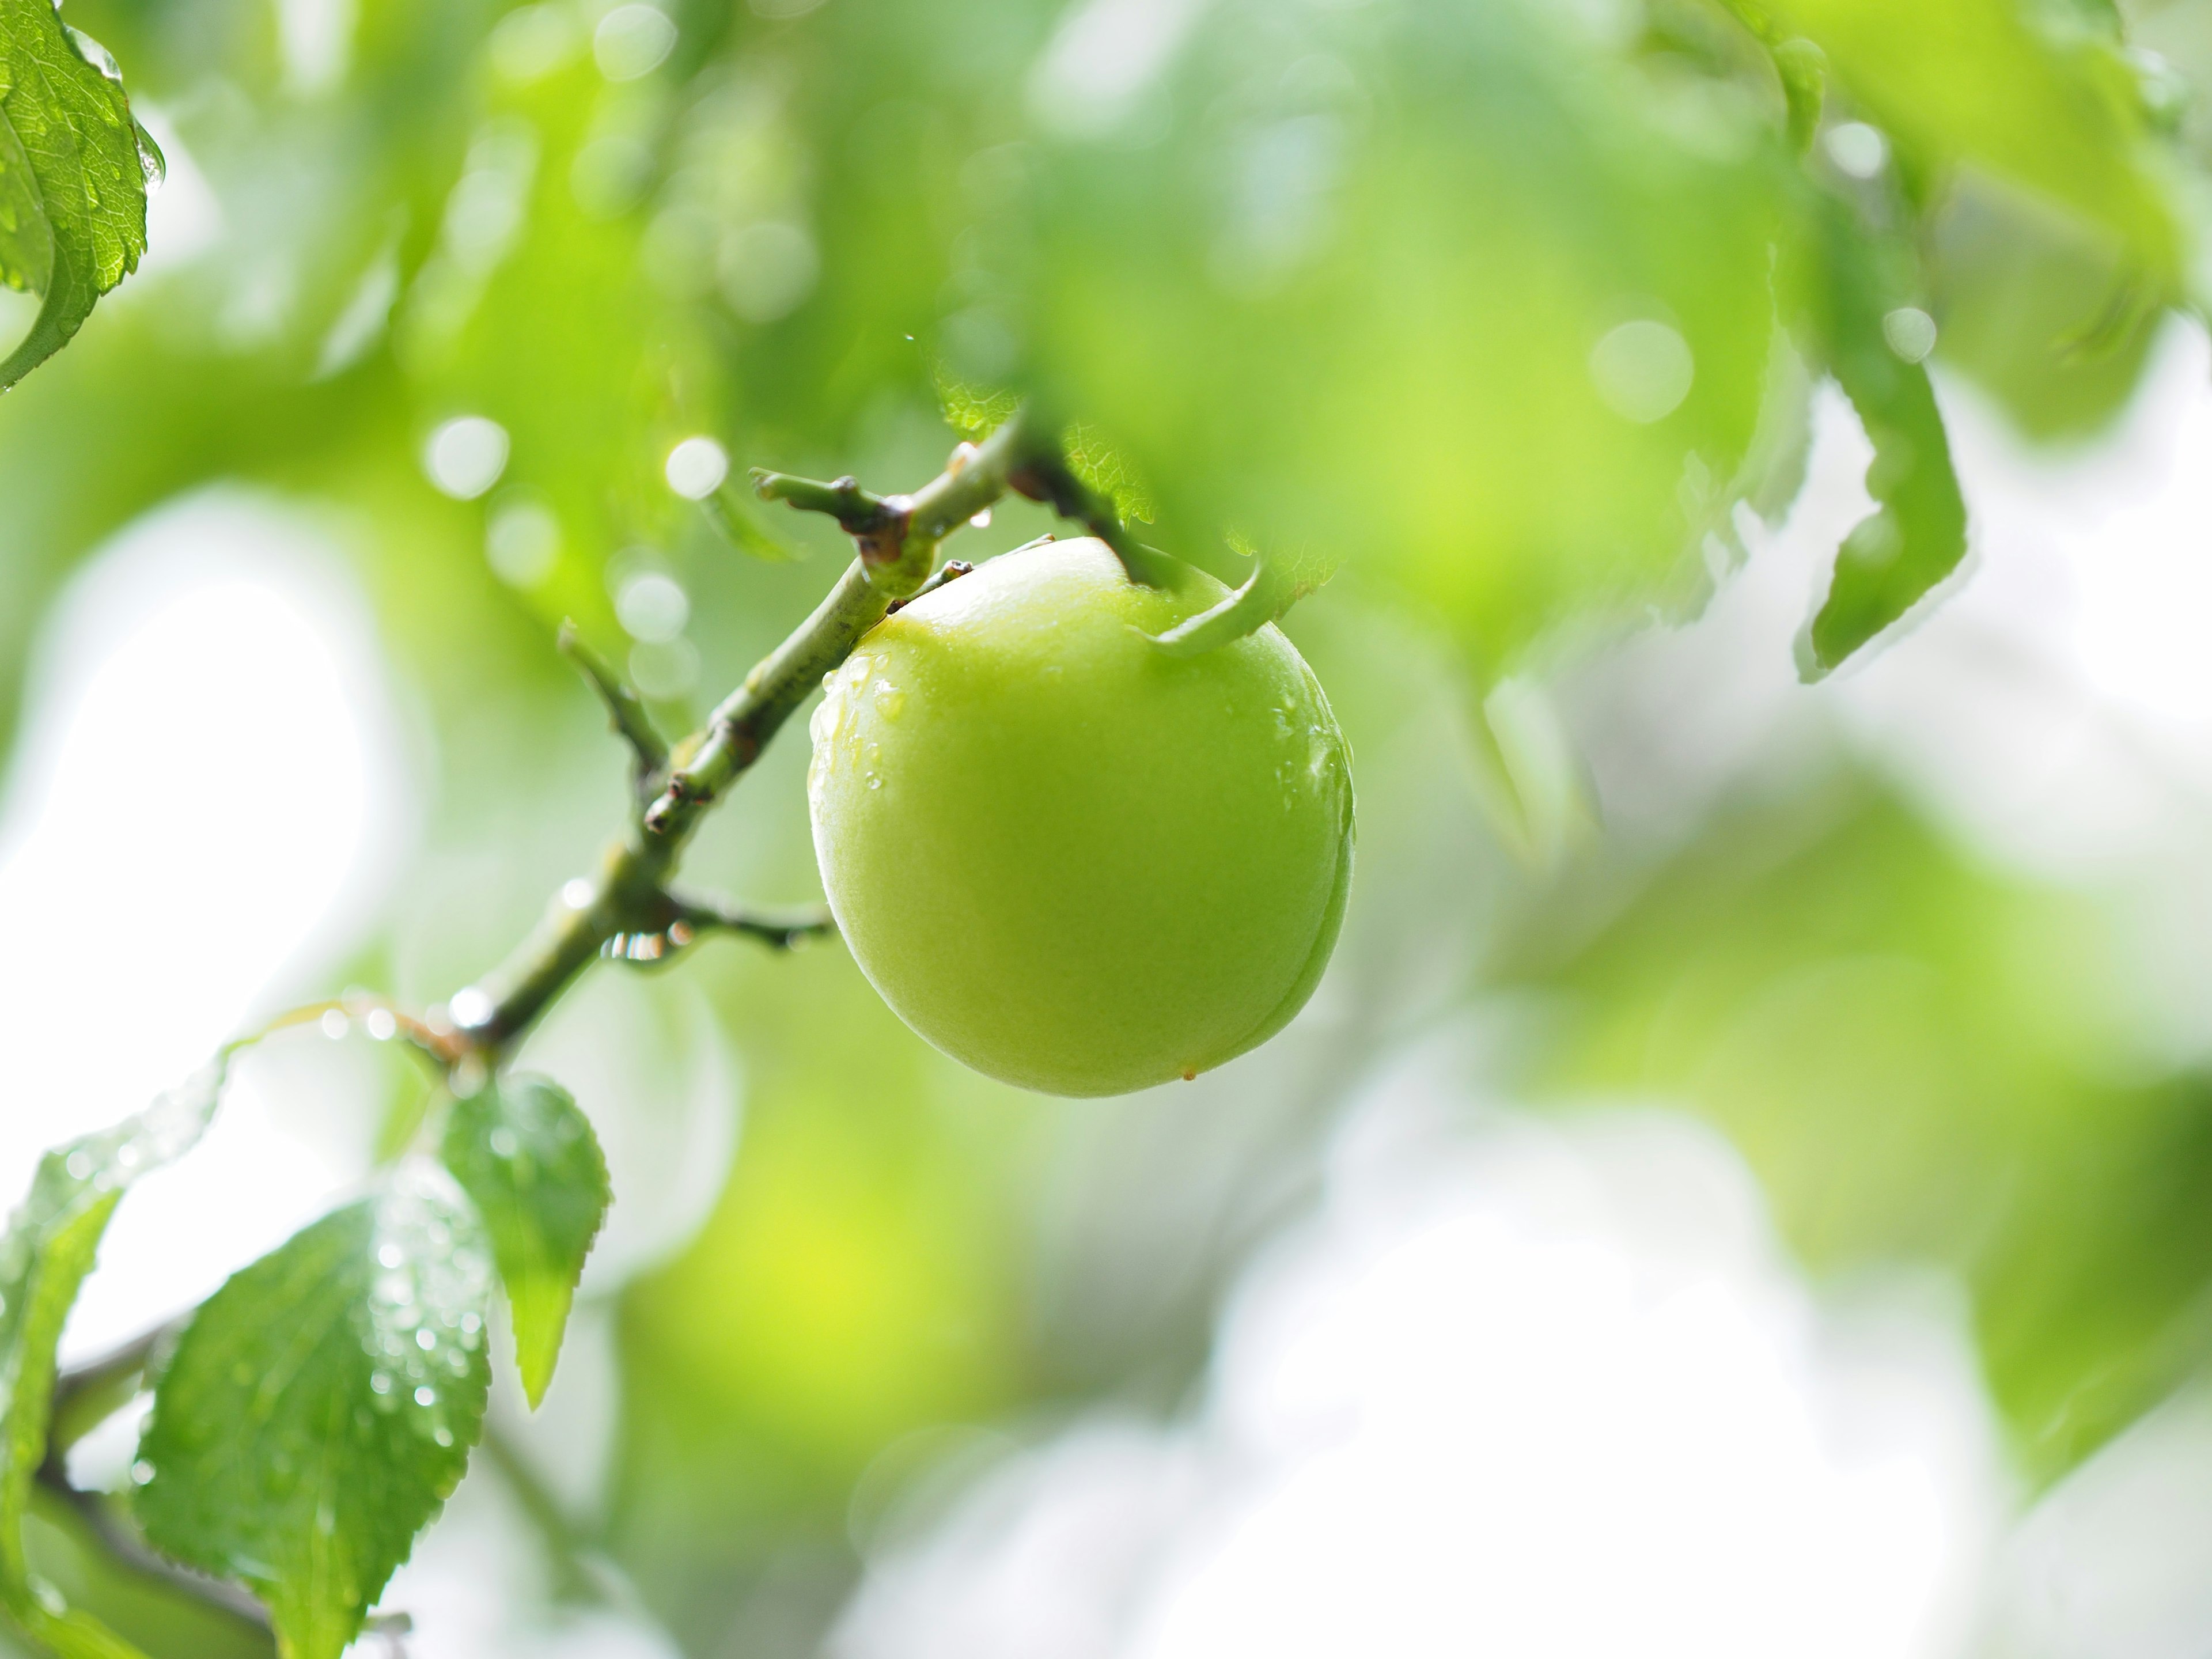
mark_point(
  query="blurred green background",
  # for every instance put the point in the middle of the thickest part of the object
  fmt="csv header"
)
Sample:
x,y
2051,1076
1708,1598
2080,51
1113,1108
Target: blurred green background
x,y
1490,304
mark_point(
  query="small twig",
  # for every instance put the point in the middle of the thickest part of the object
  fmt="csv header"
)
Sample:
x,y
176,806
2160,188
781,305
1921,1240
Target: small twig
x,y
625,709
898,538
1042,474
564,1544
783,929
582,1570
123,1546
953,571
856,510
87,1396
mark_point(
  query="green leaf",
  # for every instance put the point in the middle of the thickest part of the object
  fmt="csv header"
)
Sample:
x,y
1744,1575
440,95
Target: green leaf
x,y
528,1157
27,248
1917,534
319,1408
48,1248
1317,325
1975,82
74,162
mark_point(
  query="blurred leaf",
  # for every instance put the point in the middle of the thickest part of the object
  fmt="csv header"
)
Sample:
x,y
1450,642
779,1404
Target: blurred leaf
x,y
730,513
528,1157
1917,534
319,1408
2038,308
69,124
49,1247
1975,82
1415,287
1916,1057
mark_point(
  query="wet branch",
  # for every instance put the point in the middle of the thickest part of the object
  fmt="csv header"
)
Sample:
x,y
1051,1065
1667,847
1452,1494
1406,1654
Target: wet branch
x,y
628,909
628,900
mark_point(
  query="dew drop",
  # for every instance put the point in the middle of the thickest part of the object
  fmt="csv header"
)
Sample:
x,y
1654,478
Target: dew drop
x,y
891,701
335,1025
389,1255
80,1164
874,782
379,1381
426,1395
142,1472
442,1435
425,1339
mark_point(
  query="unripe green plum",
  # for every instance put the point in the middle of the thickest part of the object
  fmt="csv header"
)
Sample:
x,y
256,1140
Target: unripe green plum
x,y
1064,856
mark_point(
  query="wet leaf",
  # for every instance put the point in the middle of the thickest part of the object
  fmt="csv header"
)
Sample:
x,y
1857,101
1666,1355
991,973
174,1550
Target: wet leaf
x,y
528,1157
49,1247
320,1407
1917,534
72,160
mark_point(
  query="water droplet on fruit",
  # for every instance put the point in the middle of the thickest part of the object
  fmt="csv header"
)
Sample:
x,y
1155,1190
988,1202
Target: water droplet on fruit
x,y
891,701
874,782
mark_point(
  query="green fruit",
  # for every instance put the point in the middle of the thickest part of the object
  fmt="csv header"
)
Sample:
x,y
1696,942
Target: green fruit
x,y
1065,857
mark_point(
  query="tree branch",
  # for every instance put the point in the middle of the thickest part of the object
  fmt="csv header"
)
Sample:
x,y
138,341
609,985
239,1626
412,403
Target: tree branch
x,y
1041,473
898,538
87,1396
122,1544
625,709
629,901
784,929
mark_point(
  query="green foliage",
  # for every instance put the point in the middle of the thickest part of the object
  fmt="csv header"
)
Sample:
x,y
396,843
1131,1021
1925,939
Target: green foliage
x,y
1986,84
50,1245
1917,534
1349,282
319,1408
1912,1054
74,171
522,1151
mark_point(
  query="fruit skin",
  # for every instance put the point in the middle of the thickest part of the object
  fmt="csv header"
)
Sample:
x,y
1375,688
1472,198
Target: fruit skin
x,y
1064,857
